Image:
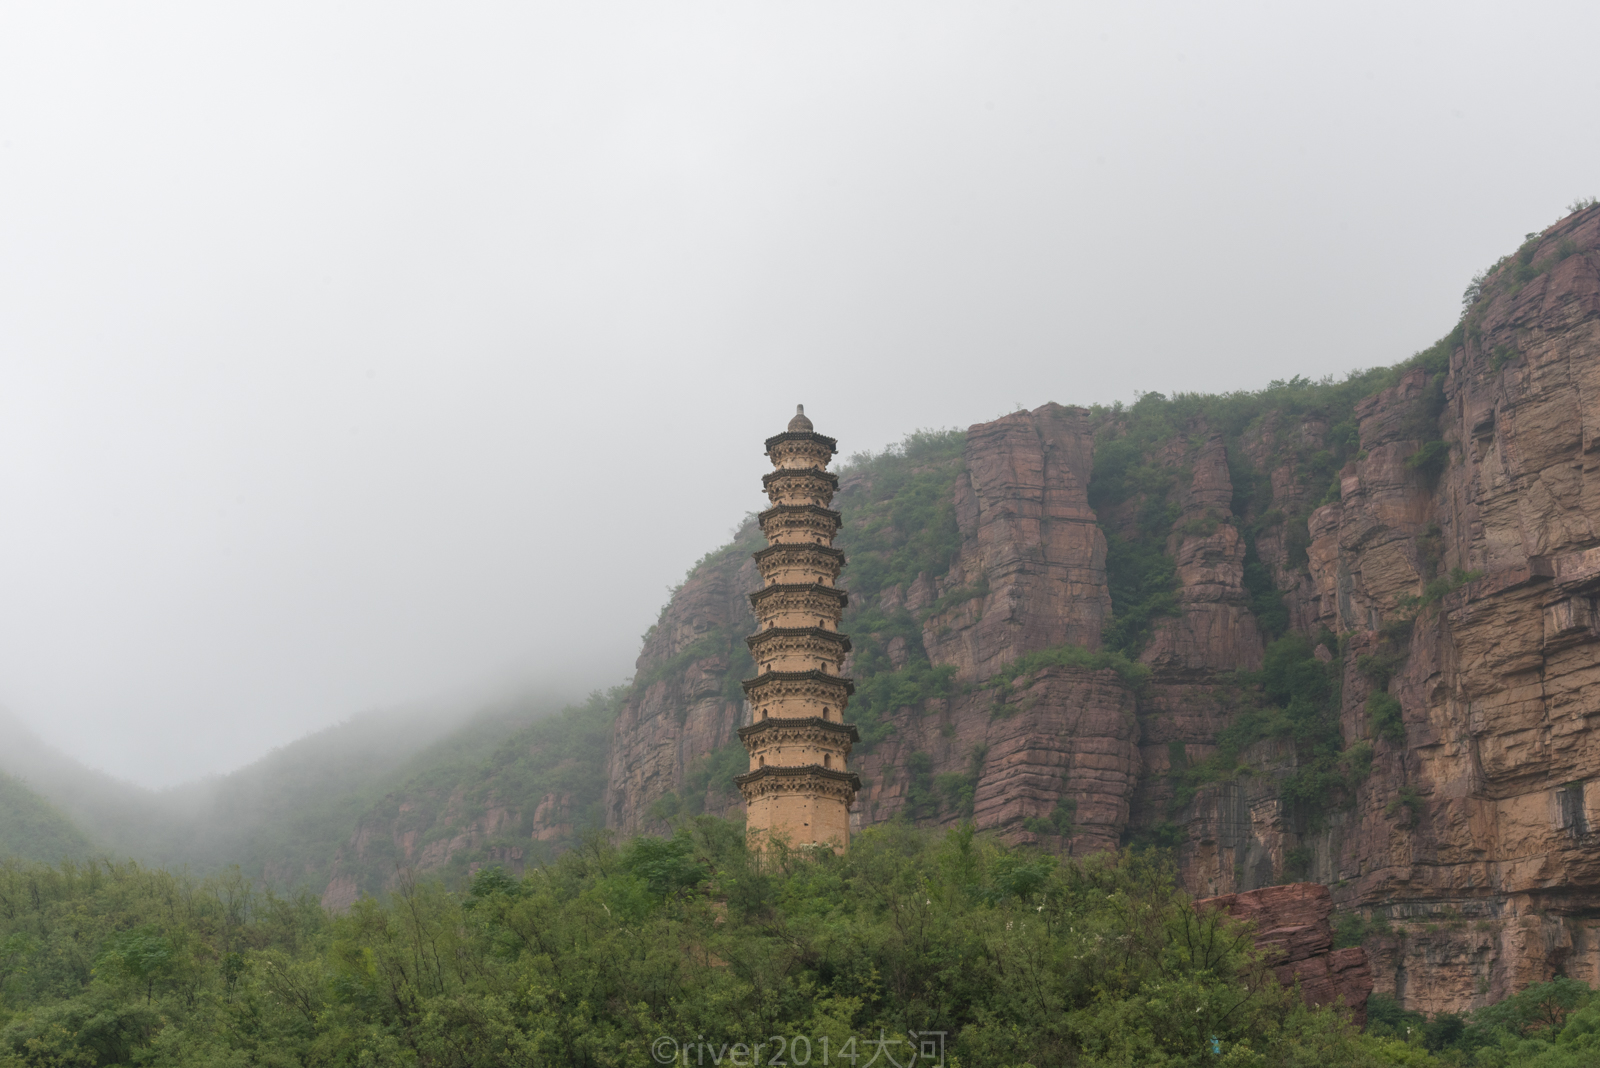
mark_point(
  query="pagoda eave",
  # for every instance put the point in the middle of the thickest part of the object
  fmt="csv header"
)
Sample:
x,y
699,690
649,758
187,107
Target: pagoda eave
x,y
803,435
795,722
800,771
841,640
796,509
800,587
797,472
760,556
835,681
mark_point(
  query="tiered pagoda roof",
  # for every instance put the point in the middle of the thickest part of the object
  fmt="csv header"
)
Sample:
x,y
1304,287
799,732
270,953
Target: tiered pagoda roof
x,y
839,682
847,730
767,593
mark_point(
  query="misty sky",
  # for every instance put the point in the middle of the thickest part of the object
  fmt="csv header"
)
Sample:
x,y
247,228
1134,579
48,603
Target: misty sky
x,y
346,350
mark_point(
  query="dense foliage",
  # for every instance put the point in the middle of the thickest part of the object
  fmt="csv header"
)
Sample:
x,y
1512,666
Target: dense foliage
x,y
1547,1025
611,955
1015,957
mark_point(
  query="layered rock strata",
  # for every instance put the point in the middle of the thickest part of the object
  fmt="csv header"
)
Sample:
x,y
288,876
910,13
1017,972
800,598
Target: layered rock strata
x,y
1290,927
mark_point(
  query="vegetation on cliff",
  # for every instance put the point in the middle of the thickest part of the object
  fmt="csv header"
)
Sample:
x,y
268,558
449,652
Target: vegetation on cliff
x,y
508,762
898,523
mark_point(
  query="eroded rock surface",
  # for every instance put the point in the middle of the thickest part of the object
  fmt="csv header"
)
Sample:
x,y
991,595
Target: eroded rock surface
x,y
1292,931
1030,538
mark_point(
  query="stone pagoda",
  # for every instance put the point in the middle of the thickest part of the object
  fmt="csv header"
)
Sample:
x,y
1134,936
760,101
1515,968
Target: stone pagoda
x,y
798,789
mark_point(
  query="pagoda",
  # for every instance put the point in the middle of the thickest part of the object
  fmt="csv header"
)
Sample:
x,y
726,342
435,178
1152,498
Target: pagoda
x,y
798,790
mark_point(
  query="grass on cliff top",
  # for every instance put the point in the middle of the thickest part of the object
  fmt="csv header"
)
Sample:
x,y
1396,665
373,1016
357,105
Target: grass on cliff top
x,y
1141,576
1132,672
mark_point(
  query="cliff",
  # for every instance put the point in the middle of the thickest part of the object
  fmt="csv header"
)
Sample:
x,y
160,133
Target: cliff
x,y
1339,631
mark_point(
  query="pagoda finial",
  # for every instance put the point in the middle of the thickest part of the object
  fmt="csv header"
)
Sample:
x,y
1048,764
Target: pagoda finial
x,y
800,422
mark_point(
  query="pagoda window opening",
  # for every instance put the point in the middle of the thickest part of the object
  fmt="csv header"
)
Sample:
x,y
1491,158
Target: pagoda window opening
x,y
763,762
827,761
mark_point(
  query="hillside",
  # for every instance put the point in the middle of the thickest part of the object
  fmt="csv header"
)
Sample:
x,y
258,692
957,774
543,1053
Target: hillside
x,y
281,819
31,828
510,791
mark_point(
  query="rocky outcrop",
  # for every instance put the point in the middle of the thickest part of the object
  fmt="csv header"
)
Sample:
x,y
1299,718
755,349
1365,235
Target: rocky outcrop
x,y
1290,928
415,832
1054,761
1051,754
1029,538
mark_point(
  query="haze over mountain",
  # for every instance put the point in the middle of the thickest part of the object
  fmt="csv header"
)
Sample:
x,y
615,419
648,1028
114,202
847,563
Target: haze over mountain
x,y
281,818
343,349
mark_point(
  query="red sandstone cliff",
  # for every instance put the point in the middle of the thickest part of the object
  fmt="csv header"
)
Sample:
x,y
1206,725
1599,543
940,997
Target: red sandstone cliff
x,y
1472,836
1469,852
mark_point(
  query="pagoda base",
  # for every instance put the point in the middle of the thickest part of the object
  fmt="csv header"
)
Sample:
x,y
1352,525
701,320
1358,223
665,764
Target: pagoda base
x,y
808,806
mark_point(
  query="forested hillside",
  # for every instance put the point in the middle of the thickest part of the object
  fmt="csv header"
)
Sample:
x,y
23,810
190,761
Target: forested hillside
x,y
31,828
281,820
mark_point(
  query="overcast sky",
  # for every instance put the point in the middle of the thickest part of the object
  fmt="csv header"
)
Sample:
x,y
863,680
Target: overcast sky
x,y
346,350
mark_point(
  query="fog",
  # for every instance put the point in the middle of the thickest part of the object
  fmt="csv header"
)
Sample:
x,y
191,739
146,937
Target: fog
x,y
357,355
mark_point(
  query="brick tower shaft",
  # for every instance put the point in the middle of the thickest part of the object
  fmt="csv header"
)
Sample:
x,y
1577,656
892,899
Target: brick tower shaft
x,y
798,789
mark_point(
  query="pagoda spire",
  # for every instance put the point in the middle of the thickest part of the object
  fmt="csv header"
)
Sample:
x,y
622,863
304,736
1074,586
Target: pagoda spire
x,y
798,789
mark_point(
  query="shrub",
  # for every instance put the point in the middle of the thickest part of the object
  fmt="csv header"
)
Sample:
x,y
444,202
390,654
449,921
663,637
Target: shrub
x,y
1130,671
1385,713
1430,460
1408,799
